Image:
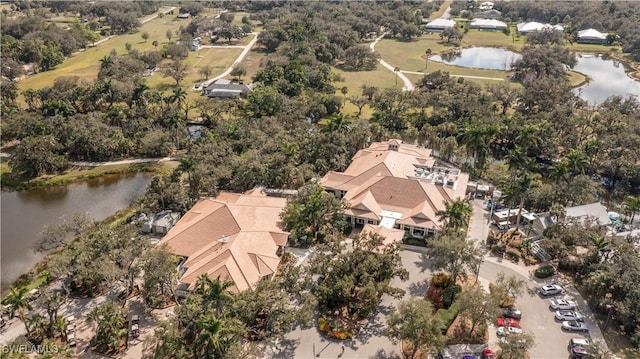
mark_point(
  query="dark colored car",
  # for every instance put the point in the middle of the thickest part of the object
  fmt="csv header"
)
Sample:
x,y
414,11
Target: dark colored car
x,y
512,313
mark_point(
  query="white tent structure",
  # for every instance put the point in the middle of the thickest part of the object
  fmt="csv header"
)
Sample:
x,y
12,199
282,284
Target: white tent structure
x,y
439,25
591,36
487,5
527,27
487,24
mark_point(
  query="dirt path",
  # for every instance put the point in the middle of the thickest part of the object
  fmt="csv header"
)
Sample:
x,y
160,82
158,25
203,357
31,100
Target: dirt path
x,y
242,55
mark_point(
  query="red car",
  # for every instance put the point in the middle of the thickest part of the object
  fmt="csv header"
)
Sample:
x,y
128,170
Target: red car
x,y
488,354
508,322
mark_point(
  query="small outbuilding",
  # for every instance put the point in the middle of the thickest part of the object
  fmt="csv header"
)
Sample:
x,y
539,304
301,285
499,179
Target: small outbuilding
x,y
439,25
591,36
223,88
488,25
488,14
161,223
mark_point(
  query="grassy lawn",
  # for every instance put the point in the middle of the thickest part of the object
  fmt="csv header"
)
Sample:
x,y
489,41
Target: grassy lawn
x,y
251,62
380,77
86,64
217,59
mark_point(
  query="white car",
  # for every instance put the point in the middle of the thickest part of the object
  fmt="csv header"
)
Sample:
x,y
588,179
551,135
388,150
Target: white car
x,y
563,315
504,331
562,304
550,289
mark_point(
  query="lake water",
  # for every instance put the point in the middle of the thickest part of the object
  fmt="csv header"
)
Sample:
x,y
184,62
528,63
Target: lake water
x,y
608,78
24,214
479,57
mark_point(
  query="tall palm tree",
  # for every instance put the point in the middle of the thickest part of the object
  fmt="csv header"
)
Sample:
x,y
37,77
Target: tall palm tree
x,y
523,186
426,59
211,341
600,245
577,162
474,138
529,138
632,207
18,299
559,171
106,62
455,215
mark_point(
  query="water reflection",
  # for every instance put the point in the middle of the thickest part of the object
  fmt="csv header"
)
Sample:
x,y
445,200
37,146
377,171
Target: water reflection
x,y
479,57
607,78
25,213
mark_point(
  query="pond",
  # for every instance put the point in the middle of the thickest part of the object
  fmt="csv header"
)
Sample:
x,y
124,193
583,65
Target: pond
x,y
24,214
479,57
607,78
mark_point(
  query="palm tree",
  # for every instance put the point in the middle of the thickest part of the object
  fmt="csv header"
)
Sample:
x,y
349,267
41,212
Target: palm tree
x,y
559,171
523,186
474,138
178,96
337,123
455,215
138,93
18,299
37,327
529,138
577,162
557,211
214,292
600,245
426,59
344,90
211,343
187,165
106,62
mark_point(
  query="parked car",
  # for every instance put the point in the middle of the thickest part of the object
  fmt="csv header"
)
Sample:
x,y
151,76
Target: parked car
x,y
550,289
563,315
512,313
135,330
71,339
135,319
488,354
574,326
578,352
508,322
583,342
504,331
504,225
562,304
444,354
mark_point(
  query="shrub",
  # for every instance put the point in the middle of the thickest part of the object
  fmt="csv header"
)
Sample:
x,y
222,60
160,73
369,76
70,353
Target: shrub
x,y
513,255
441,280
545,271
498,250
530,260
447,316
491,239
450,294
323,325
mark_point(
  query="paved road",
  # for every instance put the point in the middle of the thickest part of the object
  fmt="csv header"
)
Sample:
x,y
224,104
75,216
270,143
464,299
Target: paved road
x,y
408,85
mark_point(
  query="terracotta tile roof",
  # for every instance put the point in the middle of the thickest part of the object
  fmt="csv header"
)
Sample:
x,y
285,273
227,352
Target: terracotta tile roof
x,y
390,235
234,236
383,177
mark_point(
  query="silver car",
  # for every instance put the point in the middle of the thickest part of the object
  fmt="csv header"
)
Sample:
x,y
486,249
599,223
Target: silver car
x,y
563,315
574,326
562,304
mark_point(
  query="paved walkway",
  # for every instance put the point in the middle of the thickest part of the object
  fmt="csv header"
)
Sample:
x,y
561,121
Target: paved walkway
x,y
465,76
408,85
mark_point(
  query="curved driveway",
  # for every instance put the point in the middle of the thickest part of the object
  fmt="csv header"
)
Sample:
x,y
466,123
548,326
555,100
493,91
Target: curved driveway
x,y
408,85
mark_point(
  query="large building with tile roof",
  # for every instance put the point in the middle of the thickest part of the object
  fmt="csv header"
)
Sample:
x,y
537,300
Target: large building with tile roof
x,y
236,237
396,185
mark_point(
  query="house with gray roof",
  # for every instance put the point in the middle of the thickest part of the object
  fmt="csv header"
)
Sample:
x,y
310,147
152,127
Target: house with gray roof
x,y
223,88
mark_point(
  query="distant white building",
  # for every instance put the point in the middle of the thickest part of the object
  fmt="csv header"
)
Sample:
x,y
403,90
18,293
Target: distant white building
x,y
591,36
527,27
439,25
487,5
488,24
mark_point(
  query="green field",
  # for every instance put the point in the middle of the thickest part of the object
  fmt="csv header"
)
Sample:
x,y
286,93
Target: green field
x,y
251,62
